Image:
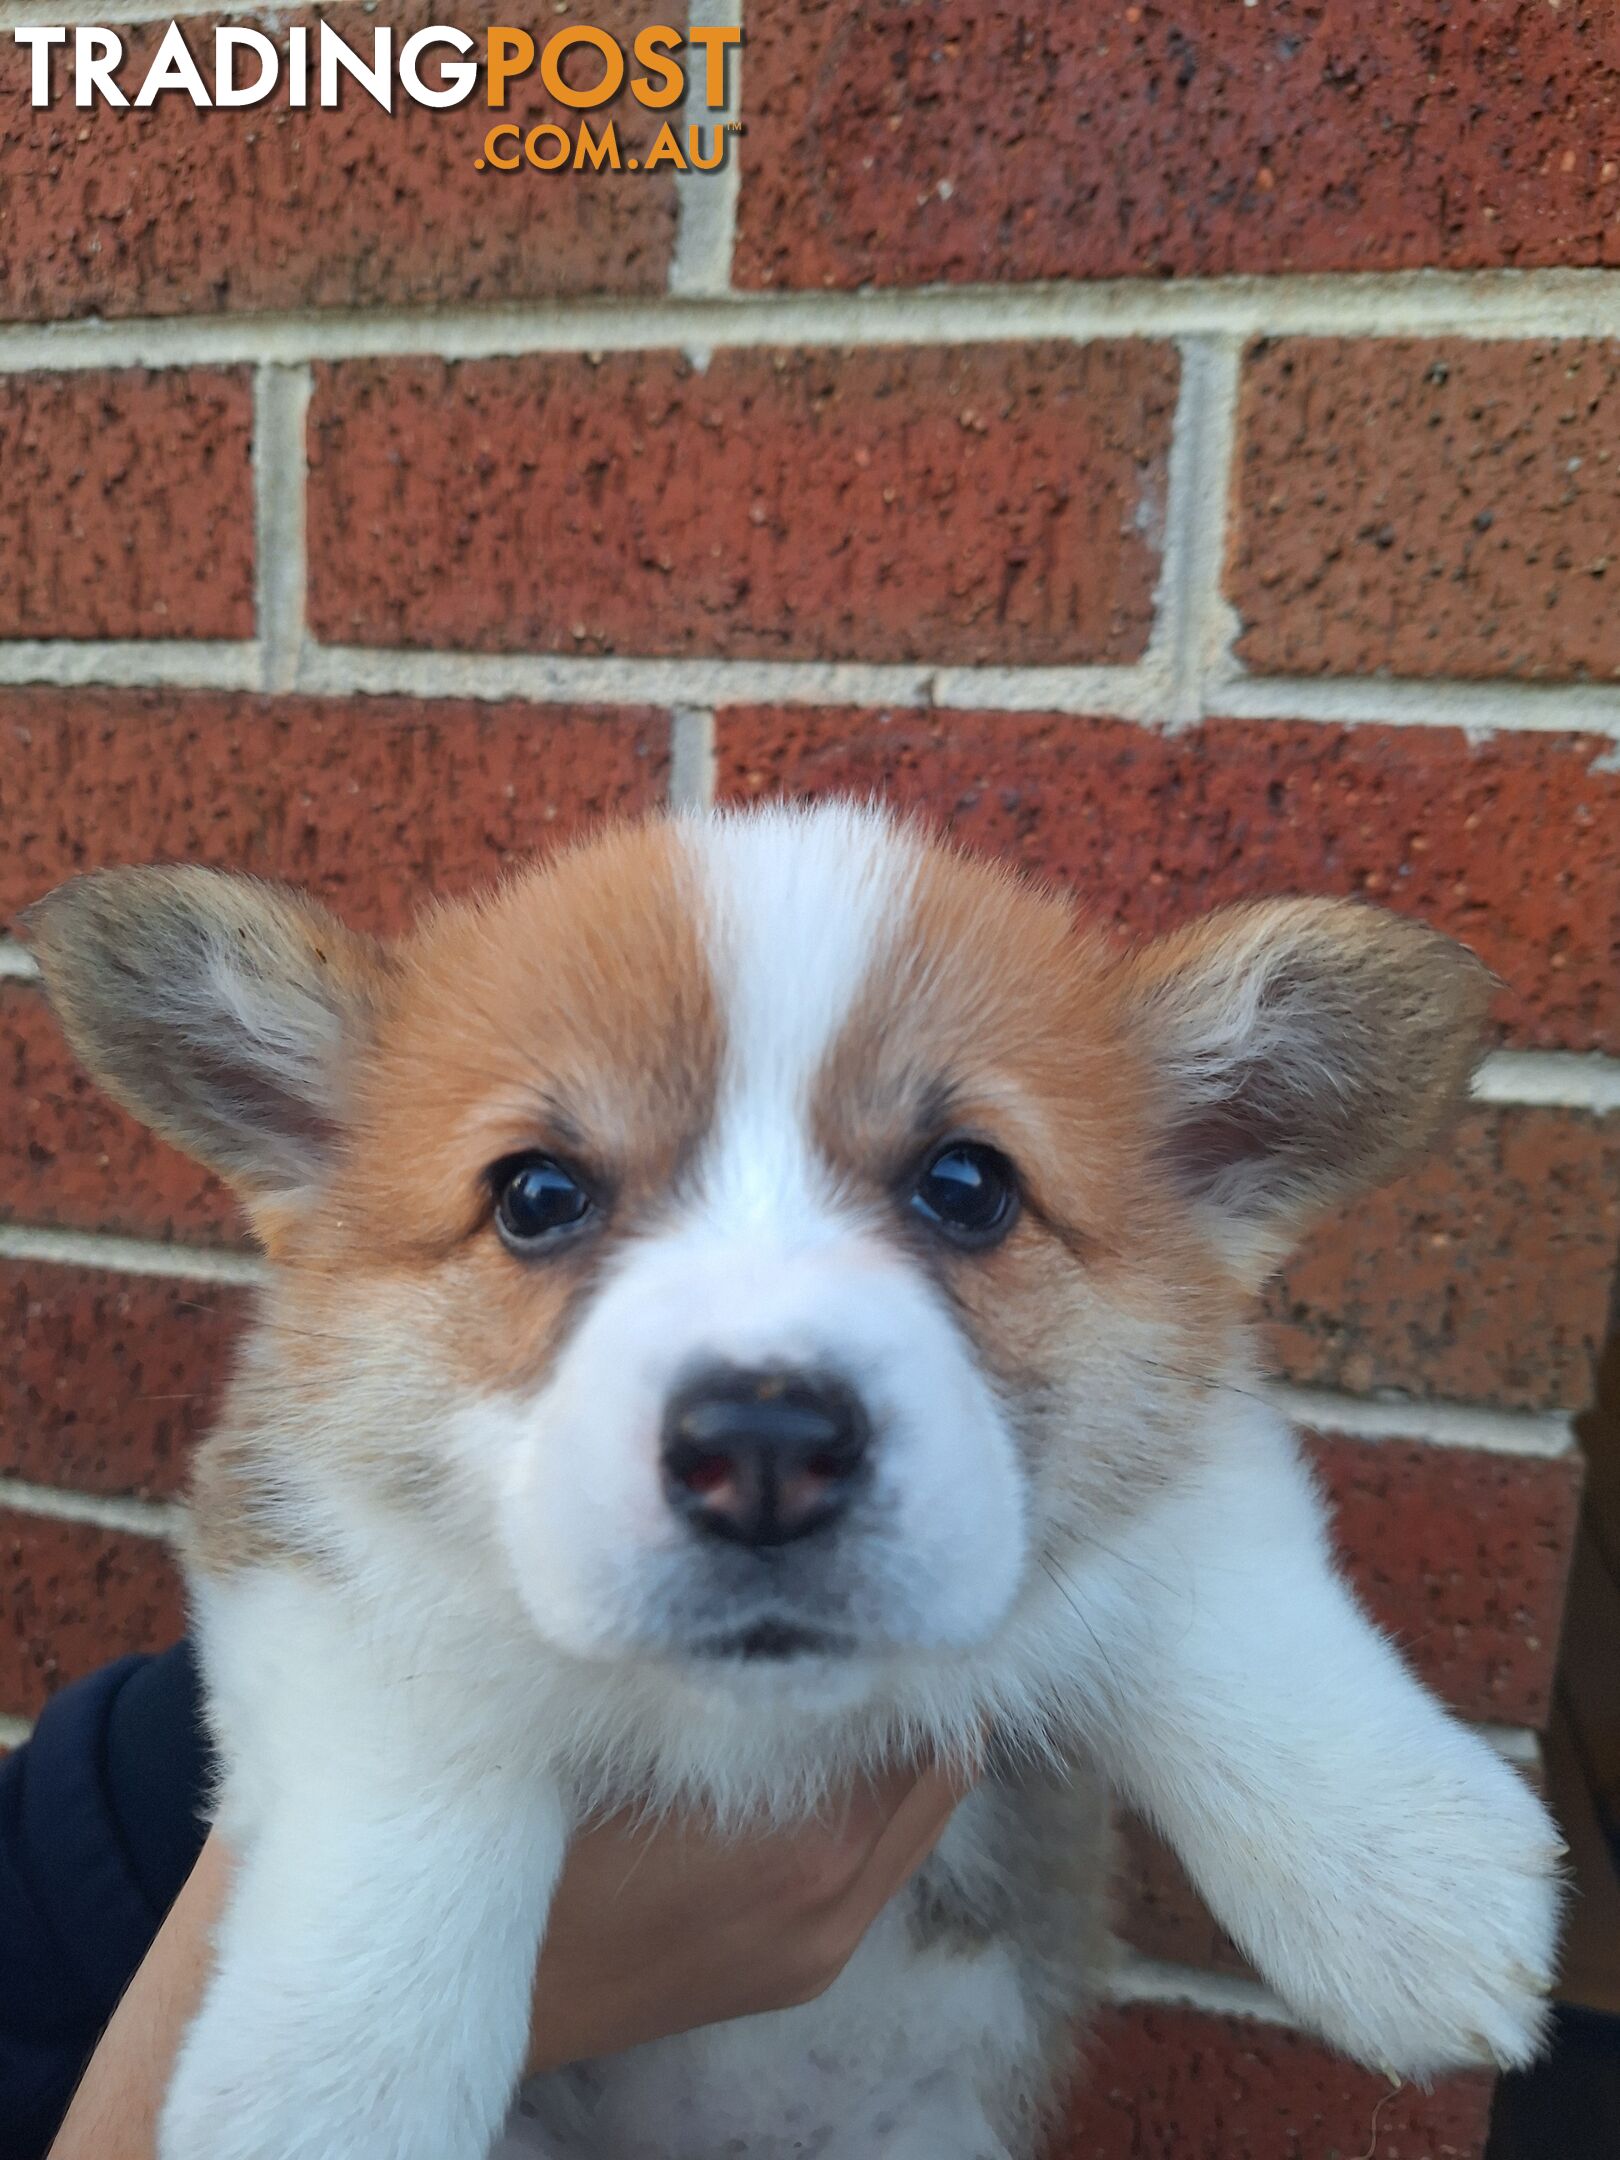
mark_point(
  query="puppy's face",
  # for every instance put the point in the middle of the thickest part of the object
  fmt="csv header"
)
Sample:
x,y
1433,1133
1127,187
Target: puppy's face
x,y
765,1237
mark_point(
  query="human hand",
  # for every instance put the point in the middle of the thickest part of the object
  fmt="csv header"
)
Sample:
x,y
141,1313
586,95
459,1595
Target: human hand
x,y
656,1929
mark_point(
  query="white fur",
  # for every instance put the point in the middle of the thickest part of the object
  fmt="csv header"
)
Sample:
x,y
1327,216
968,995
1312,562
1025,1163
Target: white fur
x,y
800,913
935,1551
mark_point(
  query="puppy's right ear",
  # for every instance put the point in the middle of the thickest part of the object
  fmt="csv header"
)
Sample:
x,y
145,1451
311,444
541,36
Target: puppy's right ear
x,y
220,1010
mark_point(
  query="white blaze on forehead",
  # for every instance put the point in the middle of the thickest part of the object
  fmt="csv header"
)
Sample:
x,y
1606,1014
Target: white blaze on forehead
x,y
803,907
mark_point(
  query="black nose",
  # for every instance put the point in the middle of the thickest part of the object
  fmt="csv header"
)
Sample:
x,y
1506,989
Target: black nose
x,y
763,1457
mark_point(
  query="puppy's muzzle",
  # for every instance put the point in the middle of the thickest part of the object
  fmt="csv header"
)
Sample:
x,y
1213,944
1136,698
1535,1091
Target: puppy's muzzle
x,y
763,1457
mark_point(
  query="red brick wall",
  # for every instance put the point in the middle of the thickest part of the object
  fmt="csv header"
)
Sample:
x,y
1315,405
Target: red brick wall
x,y
1053,419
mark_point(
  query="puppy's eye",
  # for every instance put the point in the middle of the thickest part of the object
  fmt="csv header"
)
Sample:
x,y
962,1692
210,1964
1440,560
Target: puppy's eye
x,y
536,1200
968,1192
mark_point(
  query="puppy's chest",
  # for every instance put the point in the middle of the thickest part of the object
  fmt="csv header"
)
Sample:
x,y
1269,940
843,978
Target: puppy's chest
x,y
892,2058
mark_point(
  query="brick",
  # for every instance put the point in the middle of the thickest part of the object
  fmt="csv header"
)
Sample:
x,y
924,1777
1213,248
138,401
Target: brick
x,y
1429,507
112,1378
377,804
957,140
1462,1557
71,1159
74,1596
975,504
126,503
1156,1911
1482,1276
1162,2082
1505,842
175,211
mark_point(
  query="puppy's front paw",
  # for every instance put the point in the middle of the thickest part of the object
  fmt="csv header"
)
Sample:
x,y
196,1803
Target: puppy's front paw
x,y
1432,1939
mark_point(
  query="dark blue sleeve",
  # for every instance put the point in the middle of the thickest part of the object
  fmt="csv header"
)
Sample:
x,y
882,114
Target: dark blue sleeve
x,y
101,1817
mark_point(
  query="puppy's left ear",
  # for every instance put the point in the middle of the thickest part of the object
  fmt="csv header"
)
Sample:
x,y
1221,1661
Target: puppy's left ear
x,y
1303,1050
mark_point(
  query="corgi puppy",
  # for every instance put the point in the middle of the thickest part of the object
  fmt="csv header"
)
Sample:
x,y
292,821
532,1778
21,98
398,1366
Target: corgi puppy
x,y
752,1298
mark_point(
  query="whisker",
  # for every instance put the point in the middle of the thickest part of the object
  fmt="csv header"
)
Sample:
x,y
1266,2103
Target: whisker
x,y
1073,1603
1212,1381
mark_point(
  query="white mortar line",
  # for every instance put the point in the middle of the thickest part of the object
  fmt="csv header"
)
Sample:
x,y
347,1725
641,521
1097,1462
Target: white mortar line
x,y
706,202
1555,1078
1547,1434
280,403
1516,1744
1478,708
17,963
129,664
560,678
13,1730
128,1255
1138,1980
1195,624
26,14
1141,693
1474,305
691,758
147,1518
